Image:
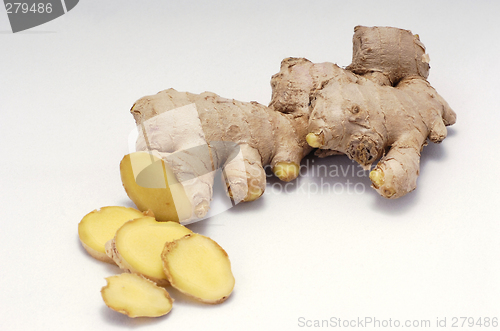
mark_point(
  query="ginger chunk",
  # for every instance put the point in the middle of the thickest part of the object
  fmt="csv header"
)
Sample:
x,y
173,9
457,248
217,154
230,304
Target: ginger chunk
x,y
151,184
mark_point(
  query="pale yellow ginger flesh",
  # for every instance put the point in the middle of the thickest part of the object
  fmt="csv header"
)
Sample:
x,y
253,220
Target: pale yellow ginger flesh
x,y
314,140
377,178
151,185
138,244
136,296
197,266
286,171
253,193
99,226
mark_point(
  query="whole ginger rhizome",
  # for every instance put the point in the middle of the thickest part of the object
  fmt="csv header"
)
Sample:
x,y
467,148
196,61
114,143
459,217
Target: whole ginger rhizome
x,y
380,110
381,107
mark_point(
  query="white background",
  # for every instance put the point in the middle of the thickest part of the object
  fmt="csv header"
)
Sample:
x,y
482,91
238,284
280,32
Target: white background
x,y
66,88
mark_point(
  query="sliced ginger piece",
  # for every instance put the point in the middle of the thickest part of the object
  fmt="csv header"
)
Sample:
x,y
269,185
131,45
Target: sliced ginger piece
x,y
151,185
197,266
136,296
138,244
99,226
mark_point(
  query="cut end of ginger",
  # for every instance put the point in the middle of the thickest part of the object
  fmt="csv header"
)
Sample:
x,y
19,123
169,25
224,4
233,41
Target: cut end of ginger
x,y
286,171
136,296
138,245
99,226
151,184
377,178
197,266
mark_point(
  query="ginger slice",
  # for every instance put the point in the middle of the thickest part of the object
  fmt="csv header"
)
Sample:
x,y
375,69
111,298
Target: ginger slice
x,y
135,296
138,244
197,266
100,226
151,184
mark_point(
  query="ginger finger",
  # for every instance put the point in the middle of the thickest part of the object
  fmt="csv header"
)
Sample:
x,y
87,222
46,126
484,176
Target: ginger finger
x,y
396,174
244,176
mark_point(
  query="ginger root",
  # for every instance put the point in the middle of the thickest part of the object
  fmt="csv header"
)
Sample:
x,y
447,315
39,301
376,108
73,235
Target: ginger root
x,y
135,296
381,106
138,244
197,266
99,226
